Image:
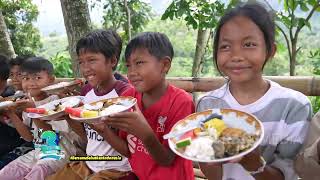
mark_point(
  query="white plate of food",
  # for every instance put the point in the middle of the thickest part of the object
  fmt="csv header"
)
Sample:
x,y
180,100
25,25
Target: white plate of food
x,y
221,136
11,100
54,109
93,112
62,86
6,104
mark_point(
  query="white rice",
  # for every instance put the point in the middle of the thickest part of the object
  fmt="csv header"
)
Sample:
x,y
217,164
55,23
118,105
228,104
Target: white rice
x,y
200,148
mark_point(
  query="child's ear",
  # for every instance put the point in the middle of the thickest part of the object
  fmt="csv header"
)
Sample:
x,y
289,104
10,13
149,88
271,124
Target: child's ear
x,y
52,79
166,61
114,61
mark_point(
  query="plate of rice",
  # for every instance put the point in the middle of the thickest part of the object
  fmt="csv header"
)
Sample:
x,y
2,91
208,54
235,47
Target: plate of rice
x,y
226,135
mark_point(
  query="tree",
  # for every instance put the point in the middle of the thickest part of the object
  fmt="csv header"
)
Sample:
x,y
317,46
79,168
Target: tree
x,y
290,23
77,23
201,15
19,16
129,16
6,47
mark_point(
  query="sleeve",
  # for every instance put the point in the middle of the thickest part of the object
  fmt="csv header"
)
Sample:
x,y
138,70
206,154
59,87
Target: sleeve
x,y
181,110
294,135
122,87
307,163
85,89
128,91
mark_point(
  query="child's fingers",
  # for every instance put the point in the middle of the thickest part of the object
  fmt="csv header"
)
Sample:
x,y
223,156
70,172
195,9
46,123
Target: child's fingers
x,y
122,115
22,101
119,125
136,108
117,120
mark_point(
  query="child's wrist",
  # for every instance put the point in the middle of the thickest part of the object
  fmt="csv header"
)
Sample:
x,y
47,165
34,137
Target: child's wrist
x,y
252,164
12,115
148,137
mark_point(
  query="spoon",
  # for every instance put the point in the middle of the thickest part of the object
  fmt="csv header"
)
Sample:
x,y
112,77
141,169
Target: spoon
x,y
192,125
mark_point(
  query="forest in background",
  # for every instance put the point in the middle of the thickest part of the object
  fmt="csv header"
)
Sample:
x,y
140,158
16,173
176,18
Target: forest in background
x,y
184,39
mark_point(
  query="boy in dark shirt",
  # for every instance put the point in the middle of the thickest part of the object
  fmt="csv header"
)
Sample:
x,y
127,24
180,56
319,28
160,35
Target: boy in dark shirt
x,y
9,137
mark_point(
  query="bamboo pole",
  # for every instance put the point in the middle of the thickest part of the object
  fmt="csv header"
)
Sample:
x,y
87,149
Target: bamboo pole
x,y
308,85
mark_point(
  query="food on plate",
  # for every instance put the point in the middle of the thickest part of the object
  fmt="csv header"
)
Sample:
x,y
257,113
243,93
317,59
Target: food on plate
x,y
99,109
13,98
93,112
6,103
55,106
37,110
228,133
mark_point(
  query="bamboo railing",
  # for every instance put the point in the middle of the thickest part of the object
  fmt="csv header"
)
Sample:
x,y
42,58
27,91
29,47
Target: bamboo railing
x,y
308,85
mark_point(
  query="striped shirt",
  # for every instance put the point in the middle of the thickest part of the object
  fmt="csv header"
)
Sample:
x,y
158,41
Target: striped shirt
x,y
285,114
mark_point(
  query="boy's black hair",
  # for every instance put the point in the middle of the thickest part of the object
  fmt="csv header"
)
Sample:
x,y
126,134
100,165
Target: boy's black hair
x,y
37,64
257,14
158,45
17,61
4,68
107,42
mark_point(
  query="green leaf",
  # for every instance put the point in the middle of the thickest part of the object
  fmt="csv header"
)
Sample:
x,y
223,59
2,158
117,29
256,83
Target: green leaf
x,y
191,21
286,21
307,23
312,2
301,22
304,7
181,11
166,14
292,4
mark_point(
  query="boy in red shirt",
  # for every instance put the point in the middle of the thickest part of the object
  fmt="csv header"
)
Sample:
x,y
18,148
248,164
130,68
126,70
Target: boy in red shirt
x,y
159,106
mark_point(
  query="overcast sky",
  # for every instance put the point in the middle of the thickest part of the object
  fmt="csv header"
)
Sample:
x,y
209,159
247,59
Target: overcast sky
x,y
50,17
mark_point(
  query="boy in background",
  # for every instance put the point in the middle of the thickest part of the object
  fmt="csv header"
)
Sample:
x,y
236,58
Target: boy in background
x,y
9,137
37,73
